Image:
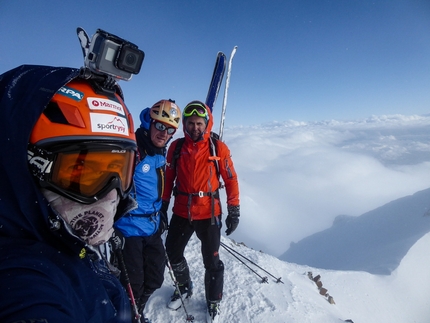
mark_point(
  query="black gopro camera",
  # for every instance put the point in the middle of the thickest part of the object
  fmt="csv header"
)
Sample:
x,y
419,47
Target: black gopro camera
x,y
112,55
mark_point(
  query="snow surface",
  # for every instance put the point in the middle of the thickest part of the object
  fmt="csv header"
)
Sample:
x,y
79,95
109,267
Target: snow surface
x,y
402,297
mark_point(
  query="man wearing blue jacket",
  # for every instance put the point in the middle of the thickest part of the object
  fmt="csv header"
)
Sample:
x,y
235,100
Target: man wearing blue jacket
x,y
68,155
142,228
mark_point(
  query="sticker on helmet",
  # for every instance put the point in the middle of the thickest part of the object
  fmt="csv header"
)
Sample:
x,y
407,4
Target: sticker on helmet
x,y
109,123
71,93
105,104
173,112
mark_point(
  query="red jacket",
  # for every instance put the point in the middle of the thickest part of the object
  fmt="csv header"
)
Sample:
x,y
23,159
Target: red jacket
x,y
195,172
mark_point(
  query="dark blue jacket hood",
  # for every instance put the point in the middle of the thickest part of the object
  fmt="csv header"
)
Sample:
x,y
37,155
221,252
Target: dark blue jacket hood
x,y
24,93
45,277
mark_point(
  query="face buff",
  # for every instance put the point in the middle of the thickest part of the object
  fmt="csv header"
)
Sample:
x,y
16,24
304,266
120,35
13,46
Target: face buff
x,y
91,222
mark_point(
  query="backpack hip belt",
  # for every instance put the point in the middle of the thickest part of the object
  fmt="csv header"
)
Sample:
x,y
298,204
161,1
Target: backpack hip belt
x,y
214,195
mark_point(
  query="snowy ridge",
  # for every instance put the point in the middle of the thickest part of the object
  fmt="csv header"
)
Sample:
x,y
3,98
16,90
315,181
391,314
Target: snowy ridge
x,y
362,297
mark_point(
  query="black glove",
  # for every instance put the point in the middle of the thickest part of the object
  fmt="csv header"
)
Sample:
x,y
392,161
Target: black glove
x,y
117,241
164,221
232,220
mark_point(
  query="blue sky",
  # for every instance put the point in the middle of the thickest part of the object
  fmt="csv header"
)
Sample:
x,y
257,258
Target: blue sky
x,y
304,60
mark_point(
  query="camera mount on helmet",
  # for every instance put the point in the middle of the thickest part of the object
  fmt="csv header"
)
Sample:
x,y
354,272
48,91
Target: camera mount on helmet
x,y
108,59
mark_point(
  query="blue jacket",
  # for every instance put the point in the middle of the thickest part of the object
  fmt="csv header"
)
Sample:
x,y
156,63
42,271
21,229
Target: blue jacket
x,y
148,180
45,275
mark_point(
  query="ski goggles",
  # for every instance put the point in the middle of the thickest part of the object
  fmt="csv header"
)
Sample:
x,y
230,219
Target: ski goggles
x,y
161,127
196,109
85,172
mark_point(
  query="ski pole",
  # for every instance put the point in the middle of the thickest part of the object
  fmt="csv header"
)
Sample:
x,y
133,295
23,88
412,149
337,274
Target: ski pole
x,y
189,318
278,280
263,279
120,256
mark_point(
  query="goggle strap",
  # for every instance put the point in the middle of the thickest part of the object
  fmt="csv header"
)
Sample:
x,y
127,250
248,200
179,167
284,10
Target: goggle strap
x,y
39,161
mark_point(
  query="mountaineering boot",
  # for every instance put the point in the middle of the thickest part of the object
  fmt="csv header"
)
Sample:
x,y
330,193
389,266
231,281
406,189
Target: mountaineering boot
x,y
144,320
186,292
213,312
140,309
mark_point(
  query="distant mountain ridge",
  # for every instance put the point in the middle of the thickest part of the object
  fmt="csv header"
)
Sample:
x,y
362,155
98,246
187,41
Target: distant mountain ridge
x,y
374,242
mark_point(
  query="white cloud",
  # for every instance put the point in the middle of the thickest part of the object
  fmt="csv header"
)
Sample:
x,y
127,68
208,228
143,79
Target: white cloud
x,y
296,177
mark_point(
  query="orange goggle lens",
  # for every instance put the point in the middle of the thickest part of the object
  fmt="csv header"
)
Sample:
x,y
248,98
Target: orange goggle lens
x,y
88,172
85,171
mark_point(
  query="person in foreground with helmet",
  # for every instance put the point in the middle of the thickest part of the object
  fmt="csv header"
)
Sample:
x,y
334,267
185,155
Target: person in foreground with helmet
x,y
194,180
66,168
144,253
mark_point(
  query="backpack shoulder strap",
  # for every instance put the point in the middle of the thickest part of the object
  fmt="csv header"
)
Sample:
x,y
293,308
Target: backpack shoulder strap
x,y
141,154
213,149
177,152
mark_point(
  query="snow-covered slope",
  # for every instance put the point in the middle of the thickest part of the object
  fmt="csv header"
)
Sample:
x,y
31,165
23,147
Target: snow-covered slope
x,y
374,242
361,297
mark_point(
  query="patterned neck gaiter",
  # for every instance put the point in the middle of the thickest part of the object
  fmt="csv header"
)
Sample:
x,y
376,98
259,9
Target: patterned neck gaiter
x,y
93,223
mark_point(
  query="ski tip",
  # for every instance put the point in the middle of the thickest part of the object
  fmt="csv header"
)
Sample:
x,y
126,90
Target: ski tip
x,y
84,40
81,33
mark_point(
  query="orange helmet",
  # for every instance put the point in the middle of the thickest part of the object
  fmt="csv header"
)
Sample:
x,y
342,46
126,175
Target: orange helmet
x,y
167,112
83,145
77,112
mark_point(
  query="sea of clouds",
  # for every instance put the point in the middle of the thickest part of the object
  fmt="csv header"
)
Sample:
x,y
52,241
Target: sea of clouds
x,y
296,177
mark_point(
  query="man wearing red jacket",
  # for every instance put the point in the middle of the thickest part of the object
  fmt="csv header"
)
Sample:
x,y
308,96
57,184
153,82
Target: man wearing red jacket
x,y
193,177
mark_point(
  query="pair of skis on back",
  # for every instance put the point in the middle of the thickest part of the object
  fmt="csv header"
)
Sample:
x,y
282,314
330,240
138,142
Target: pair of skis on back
x,y
215,85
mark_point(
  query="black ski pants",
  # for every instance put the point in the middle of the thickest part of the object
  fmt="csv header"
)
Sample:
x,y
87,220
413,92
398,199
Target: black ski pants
x,y
180,232
145,260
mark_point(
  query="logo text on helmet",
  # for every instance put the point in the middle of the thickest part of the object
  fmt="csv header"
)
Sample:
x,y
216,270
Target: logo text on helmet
x,y
105,104
109,123
71,93
44,165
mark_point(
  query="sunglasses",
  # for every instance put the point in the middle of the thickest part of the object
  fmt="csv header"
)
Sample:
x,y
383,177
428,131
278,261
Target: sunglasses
x,y
196,109
161,127
86,172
